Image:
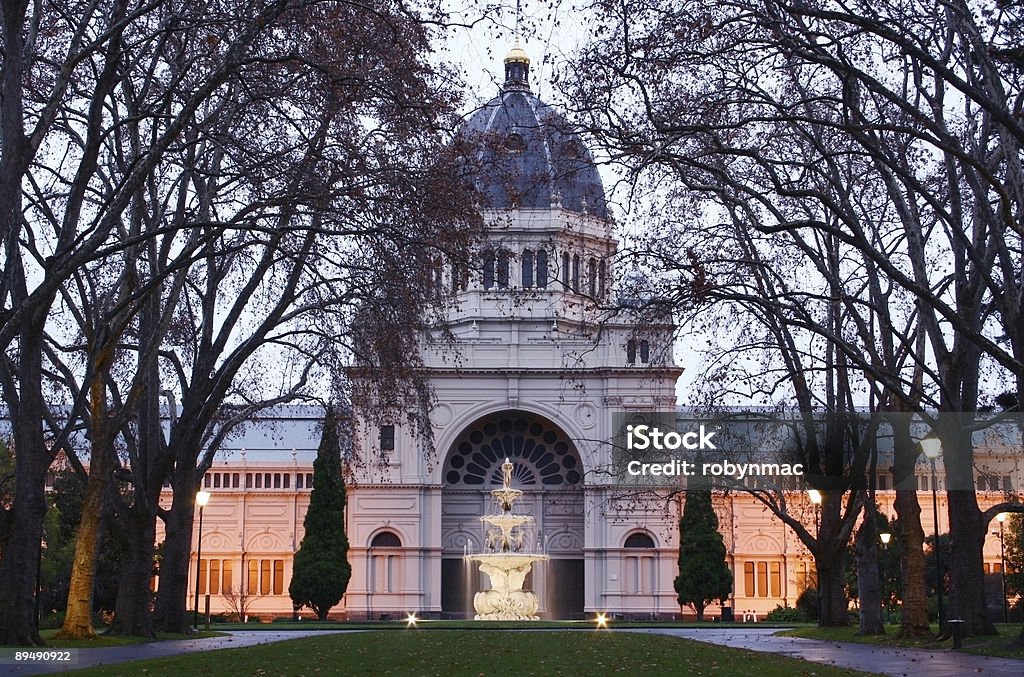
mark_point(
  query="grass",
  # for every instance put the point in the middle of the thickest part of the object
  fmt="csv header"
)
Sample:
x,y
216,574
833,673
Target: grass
x,y
475,652
987,645
103,640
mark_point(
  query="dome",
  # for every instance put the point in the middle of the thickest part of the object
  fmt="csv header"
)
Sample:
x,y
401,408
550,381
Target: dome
x,y
524,153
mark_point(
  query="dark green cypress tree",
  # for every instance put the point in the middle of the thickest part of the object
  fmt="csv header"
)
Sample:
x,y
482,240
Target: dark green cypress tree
x,y
321,570
703,574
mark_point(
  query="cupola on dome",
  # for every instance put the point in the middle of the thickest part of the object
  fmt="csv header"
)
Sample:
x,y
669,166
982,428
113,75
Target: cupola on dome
x,y
524,154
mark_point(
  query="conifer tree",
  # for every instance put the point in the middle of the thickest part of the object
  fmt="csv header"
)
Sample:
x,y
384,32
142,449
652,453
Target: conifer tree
x,y
703,574
321,570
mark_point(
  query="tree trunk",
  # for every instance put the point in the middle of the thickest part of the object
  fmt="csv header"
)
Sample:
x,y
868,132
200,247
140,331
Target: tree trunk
x,y
913,577
833,609
172,596
967,531
967,577
21,547
868,583
132,613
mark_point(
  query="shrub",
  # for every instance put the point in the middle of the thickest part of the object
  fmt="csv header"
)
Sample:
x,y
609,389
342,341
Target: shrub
x,y
786,614
807,602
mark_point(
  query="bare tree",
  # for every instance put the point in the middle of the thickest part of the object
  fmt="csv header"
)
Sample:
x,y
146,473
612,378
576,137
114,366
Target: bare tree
x,y
273,168
890,133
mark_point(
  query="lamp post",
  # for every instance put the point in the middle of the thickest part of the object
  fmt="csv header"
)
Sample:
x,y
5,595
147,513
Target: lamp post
x,y
932,448
886,537
202,498
1001,517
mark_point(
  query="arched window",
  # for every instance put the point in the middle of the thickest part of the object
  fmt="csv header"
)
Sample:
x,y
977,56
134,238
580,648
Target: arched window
x,y
576,272
542,269
645,351
631,351
527,266
565,270
592,278
602,279
384,566
489,263
502,269
639,563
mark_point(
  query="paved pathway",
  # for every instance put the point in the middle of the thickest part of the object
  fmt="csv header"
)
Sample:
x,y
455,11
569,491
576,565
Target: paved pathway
x,y
885,660
136,652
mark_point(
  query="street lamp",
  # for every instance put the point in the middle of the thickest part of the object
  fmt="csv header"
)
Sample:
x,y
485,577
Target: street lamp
x,y
815,497
886,537
932,448
1001,517
202,498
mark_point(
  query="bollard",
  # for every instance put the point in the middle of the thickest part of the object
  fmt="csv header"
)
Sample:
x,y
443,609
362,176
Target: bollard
x,y
956,628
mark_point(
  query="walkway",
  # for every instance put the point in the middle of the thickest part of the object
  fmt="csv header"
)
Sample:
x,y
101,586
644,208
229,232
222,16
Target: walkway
x,y
884,660
88,658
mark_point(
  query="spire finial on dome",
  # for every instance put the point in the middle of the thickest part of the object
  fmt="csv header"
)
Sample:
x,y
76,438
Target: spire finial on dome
x,y
517,68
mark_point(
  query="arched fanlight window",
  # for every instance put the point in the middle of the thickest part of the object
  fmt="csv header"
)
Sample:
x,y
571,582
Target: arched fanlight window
x,y
639,540
386,539
602,279
645,351
527,266
576,272
565,270
631,351
592,277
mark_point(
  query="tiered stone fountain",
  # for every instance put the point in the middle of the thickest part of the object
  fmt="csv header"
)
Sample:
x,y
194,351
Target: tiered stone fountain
x,y
506,559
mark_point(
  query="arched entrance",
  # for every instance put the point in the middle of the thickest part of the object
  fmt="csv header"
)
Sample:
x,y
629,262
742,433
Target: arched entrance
x,y
547,468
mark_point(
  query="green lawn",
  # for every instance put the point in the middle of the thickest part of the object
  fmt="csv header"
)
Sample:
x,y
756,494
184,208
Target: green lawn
x,y
990,645
114,640
474,652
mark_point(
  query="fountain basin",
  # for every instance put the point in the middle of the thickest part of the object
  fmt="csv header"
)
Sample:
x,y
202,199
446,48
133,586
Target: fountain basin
x,y
506,600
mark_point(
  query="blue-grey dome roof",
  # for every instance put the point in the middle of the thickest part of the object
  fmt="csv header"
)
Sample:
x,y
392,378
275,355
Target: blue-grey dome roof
x,y
524,153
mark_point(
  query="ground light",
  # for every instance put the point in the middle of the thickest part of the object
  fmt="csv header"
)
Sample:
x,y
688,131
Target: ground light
x,y
410,620
602,621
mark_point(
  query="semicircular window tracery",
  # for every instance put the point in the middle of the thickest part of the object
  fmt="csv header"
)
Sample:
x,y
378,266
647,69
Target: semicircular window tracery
x,y
540,454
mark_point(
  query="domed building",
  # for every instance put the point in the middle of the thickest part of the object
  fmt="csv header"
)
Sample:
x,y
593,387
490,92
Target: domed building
x,y
541,363
544,361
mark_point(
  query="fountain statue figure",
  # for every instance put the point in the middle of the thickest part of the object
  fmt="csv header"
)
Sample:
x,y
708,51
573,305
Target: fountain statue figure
x,y
506,559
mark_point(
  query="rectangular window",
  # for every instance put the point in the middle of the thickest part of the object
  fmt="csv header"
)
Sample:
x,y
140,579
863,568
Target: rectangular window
x,y
993,483
202,577
748,579
266,480
264,576
278,576
234,480
287,480
277,480
253,575
226,568
309,480
387,438
206,480
762,579
298,480
1007,483
775,580
248,480
214,576
259,480
883,482
216,480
